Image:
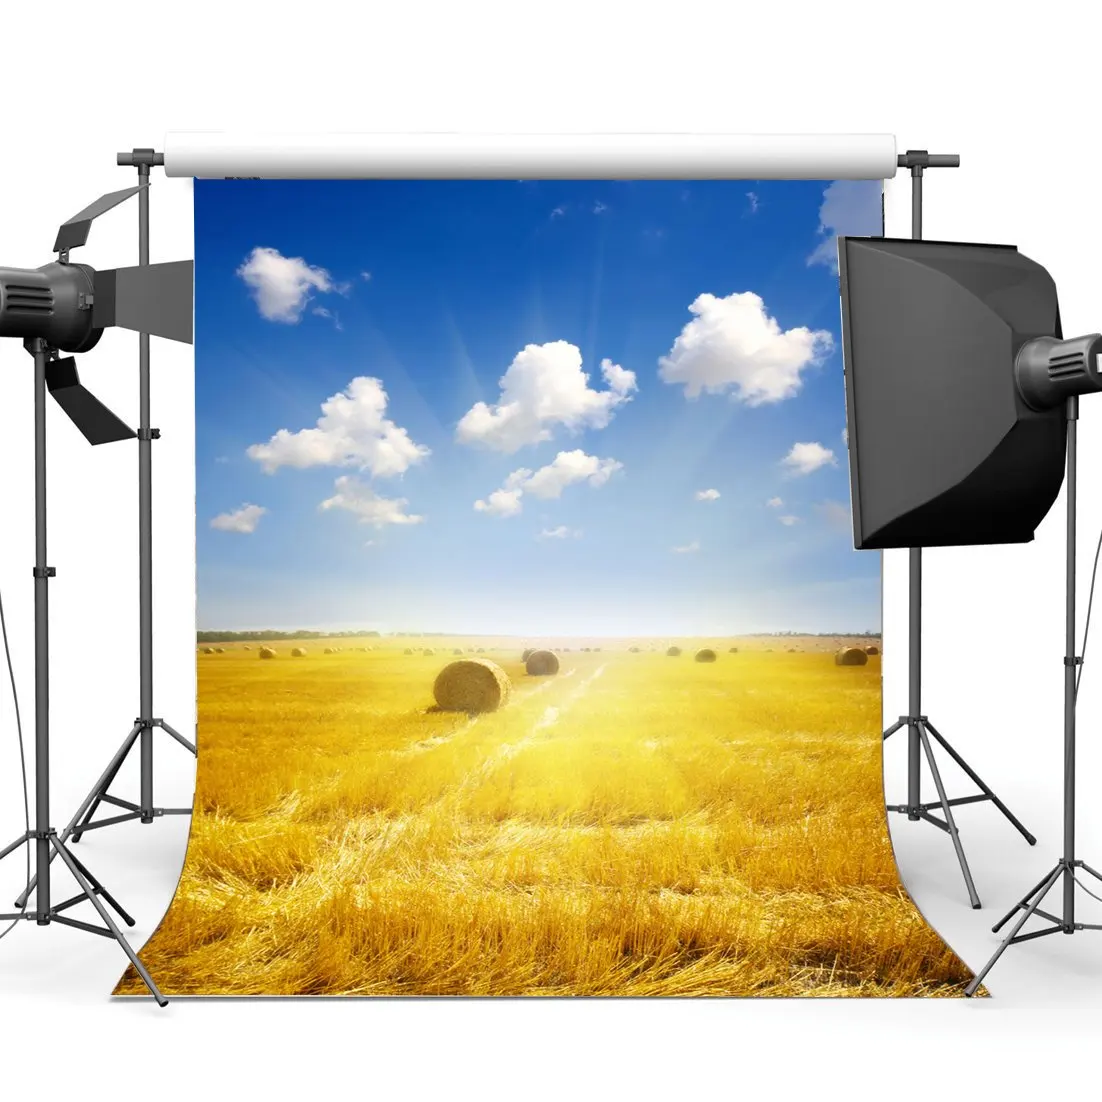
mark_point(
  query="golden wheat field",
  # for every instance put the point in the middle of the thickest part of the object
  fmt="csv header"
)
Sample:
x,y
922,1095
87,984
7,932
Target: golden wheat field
x,y
635,825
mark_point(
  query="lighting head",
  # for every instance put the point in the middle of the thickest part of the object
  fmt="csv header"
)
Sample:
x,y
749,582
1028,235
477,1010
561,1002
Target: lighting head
x,y
1049,371
53,302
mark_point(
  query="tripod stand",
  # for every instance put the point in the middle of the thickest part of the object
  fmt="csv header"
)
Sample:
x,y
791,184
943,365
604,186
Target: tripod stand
x,y
141,734
1064,871
46,841
919,727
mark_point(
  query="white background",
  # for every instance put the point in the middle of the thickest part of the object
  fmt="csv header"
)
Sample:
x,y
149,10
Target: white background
x,y
1013,89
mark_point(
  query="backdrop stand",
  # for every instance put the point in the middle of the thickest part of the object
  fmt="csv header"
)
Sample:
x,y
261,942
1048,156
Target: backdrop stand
x,y
1030,904
46,841
919,728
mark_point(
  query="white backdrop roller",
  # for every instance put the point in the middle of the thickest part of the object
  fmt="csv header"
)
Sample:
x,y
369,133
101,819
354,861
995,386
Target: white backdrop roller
x,y
219,154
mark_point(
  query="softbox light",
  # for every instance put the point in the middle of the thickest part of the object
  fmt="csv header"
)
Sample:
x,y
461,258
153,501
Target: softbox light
x,y
944,449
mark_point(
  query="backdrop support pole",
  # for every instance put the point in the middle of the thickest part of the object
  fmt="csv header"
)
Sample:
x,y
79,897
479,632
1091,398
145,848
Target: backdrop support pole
x,y
1064,872
45,838
919,728
145,810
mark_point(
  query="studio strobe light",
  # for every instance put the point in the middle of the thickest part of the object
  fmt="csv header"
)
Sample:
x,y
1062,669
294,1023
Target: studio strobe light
x,y
955,359
64,307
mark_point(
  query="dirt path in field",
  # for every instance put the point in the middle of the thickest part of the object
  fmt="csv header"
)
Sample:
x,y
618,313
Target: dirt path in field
x,y
508,750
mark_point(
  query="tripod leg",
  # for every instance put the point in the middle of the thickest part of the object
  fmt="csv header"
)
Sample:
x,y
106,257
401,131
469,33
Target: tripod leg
x,y
1038,896
126,947
948,812
185,743
104,893
983,787
1087,868
1019,905
100,787
104,784
893,728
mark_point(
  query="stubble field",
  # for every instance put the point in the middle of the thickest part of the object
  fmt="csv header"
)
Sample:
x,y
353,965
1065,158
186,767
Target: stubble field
x,y
635,825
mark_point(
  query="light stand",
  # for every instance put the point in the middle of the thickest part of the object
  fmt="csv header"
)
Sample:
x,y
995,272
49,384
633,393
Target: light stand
x,y
46,841
144,725
1065,868
919,728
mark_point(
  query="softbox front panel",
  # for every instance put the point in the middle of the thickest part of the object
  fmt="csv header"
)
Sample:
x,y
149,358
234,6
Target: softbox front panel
x,y
943,450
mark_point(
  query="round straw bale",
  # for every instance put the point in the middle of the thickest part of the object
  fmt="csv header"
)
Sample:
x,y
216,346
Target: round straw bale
x,y
330,650
481,650
872,649
705,655
733,650
542,663
298,652
633,650
428,652
850,656
408,650
219,650
246,648
527,653
471,685
208,650
457,650
673,652
267,652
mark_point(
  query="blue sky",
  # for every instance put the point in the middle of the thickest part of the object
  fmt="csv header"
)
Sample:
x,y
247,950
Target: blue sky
x,y
521,407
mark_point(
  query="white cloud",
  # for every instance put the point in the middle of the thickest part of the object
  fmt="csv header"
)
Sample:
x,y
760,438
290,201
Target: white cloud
x,y
775,503
567,468
545,388
558,212
845,436
733,345
548,482
599,207
688,549
706,495
281,285
243,520
755,202
360,499
365,276
501,503
850,208
560,533
789,520
352,431
804,458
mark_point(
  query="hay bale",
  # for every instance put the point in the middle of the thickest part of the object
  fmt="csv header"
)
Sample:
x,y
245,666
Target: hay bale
x,y
673,652
527,653
633,650
872,649
542,663
481,650
219,650
850,656
267,652
298,652
457,650
471,685
705,655
329,650
408,650
428,652
791,650
733,650
596,650
246,648
207,650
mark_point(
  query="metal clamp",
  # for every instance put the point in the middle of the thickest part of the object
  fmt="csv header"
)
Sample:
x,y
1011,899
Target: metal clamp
x,y
149,434
45,572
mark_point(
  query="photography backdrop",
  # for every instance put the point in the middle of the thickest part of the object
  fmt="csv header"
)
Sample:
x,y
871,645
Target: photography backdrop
x,y
446,421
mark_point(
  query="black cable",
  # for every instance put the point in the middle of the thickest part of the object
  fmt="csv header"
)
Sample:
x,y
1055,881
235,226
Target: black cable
x,y
1087,625
22,755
